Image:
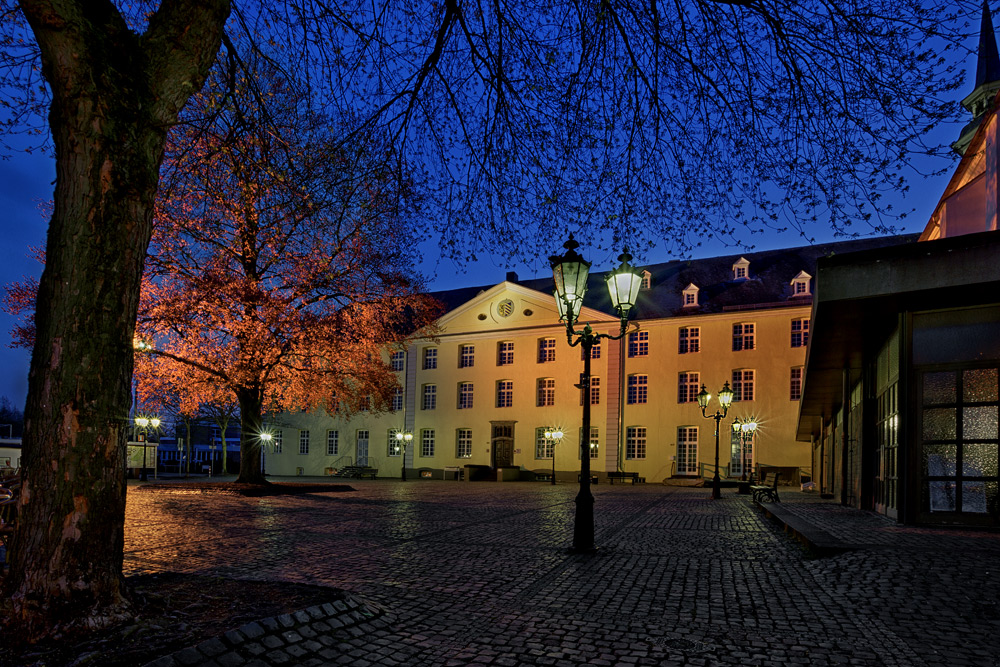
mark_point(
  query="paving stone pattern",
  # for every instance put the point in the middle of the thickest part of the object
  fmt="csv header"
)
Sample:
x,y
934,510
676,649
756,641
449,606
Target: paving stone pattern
x,y
450,573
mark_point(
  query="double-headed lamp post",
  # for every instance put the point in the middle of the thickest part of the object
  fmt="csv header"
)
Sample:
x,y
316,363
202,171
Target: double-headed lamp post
x,y
553,437
725,400
145,424
570,272
403,438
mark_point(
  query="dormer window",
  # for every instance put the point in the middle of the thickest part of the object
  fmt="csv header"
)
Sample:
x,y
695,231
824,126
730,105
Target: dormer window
x,y
690,296
741,269
647,280
800,284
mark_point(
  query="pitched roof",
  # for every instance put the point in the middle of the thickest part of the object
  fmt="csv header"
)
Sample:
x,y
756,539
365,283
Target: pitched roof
x,y
768,283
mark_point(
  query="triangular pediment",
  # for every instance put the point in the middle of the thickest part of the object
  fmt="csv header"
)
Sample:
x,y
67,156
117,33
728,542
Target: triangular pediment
x,y
509,305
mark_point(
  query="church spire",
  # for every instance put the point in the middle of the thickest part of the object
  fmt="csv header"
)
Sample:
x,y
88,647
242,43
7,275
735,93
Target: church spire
x,y
988,68
980,100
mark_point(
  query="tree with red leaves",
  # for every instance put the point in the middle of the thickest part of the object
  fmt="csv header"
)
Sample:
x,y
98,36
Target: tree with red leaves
x,y
279,268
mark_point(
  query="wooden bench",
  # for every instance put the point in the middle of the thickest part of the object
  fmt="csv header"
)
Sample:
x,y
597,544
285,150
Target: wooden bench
x,y
622,476
767,490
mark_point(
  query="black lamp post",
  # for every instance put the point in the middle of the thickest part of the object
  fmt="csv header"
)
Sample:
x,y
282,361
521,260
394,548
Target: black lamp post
x,y
570,272
725,400
144,425
403,438
552,438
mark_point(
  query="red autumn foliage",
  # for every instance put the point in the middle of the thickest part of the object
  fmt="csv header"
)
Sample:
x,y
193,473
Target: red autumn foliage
x,y
279,269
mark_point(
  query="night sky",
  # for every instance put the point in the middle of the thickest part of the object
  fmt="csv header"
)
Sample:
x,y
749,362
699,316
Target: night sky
x,y
26,182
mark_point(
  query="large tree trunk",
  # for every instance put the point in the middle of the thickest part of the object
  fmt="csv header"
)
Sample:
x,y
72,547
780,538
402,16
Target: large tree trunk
x,y
251,409
114,96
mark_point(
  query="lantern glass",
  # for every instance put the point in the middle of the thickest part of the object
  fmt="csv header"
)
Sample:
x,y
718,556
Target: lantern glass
x,y
623,285
570,272
726,397
703,398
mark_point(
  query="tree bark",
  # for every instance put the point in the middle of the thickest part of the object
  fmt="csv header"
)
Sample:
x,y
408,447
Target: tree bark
x,y
114,95
251,409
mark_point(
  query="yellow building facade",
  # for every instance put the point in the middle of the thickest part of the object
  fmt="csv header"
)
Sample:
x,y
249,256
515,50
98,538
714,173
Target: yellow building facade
x,y
501,371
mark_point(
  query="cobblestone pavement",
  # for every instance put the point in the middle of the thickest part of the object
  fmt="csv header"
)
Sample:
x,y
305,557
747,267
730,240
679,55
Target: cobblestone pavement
x,y
452,573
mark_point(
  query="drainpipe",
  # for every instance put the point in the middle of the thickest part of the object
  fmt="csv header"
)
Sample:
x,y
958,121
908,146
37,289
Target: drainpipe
x,y
844,433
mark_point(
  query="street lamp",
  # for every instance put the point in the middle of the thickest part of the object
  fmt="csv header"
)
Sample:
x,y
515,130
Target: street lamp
x,y
403,438
265,439
743,431
552,438
144,425
570,272
725,400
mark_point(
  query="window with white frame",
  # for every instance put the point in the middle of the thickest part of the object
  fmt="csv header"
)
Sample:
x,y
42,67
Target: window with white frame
x,y
397,399
466,356
276,441
397,360
743,336
505,393
800,332
427,442
303,442
464,395
687,450
689,297
743,380
687,387
430,358
463,443
689,340
741,269
505,353
543,446
638,389
393,447
332,443
546,350
593,445
795,391
800,284
635,442
546,392
638,344
595,391
429,399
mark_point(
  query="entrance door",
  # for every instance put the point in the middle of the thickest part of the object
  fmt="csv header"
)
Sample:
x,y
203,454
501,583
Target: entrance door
x,y
502,444
362,450
687,450
887,445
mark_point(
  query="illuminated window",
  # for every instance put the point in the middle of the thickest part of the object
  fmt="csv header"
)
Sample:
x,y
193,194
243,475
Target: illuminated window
x,y
463,443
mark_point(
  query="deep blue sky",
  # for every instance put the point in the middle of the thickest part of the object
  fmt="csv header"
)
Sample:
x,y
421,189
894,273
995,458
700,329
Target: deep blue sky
x,y
26,181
